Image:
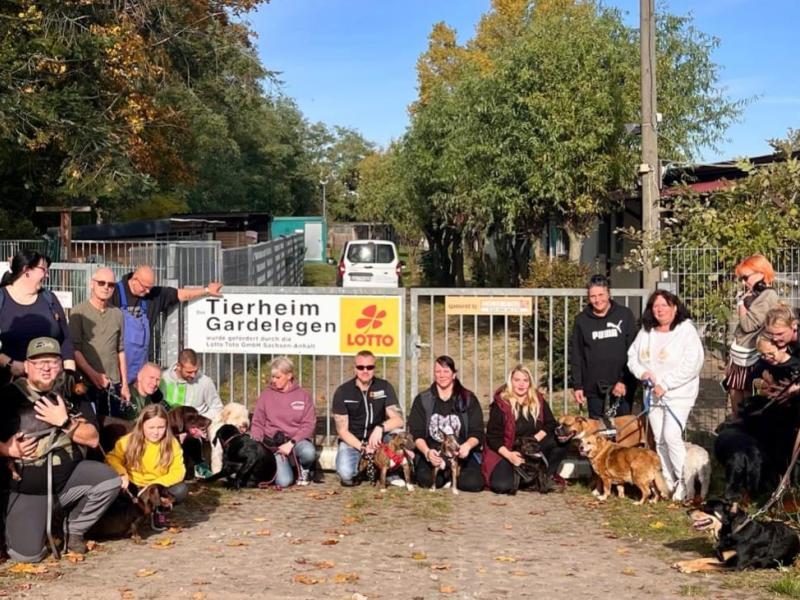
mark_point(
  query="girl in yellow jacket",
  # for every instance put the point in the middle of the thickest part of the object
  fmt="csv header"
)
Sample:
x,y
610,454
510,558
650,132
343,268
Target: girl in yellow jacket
x,y
150,454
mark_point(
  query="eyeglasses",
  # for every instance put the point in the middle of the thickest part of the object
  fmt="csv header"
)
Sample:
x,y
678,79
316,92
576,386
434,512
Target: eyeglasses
x,y
45,270
45,365
106,284
745,277
365,367
144,286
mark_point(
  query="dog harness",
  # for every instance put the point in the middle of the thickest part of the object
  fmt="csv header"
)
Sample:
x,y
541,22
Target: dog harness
x,y
395,459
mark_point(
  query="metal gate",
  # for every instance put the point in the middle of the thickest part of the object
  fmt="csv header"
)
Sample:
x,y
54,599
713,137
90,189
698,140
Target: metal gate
x,y
485,338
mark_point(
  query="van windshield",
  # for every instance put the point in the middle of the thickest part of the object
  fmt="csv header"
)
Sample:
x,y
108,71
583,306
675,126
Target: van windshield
x,y
370,253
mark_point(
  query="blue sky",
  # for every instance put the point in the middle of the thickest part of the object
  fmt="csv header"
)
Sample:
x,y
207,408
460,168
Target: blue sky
x,y
353,62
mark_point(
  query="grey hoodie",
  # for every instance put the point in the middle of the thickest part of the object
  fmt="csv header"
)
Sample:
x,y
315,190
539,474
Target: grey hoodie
x,y
201,393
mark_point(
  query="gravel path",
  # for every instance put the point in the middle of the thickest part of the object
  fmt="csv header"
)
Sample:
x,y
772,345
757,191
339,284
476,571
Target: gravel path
x,y
325,541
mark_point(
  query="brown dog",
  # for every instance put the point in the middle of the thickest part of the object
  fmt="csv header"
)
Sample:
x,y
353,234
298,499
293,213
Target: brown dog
x,y
126,517
449,453
397,453
630,431
615,464
186,420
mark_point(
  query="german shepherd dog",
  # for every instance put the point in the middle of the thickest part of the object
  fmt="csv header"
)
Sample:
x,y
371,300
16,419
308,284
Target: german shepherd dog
x,y
741,542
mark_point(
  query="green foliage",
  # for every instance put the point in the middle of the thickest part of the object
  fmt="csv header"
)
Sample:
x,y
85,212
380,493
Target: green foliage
x,y
525,125
121,104
704,237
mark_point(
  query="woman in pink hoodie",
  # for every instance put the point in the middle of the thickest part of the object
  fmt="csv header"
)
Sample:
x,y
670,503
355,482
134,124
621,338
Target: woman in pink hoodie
x,y
285,420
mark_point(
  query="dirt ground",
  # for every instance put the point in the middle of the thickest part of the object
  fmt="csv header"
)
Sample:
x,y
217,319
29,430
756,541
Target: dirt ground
x,y
325,541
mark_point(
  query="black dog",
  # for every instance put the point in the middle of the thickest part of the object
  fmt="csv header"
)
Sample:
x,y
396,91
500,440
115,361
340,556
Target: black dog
x,y
742,543
245,462
756,448
532,473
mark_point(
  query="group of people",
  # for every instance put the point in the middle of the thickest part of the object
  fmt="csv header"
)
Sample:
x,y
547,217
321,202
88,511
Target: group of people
x,y
610,359
61,379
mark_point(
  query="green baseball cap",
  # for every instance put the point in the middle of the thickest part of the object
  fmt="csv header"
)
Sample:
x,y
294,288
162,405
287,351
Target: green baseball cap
x,y
41,346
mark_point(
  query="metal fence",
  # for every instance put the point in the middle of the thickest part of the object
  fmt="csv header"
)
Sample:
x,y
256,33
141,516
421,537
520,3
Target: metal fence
x,y
485,347
47,247
278,262
703,278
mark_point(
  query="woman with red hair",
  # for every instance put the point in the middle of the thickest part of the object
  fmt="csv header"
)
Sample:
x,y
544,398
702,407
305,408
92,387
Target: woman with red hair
x,y
753,302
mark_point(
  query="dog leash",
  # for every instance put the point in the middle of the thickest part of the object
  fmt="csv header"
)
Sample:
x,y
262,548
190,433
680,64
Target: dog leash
x,y
783,485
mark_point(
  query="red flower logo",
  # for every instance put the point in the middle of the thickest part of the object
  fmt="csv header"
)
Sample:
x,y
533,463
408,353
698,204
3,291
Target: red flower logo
x,y
371,318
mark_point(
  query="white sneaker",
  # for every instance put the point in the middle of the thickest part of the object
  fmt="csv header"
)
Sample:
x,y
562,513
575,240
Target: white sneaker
x,y
397,482
303,478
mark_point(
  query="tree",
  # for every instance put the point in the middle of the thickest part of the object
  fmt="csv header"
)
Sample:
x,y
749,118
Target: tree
x,y
525,124
121,104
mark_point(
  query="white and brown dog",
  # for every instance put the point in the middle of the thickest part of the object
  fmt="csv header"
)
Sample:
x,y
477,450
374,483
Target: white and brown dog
x,y
232,414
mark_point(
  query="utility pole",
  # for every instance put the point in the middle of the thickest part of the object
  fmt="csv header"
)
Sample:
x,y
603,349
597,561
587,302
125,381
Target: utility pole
x,y
649,170
65,225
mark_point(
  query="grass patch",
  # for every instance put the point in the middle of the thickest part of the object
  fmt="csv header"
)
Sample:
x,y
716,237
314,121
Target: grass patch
x,y
693,591
319,275
787,584
664,526
368,502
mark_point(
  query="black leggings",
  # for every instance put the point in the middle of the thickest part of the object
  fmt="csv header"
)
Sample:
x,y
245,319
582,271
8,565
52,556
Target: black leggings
x,y
470,478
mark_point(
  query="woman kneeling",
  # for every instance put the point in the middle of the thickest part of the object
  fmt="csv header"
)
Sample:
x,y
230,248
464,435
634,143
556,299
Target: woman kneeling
x,y
519,412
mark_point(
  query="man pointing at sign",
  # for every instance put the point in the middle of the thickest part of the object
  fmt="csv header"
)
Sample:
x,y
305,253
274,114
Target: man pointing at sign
x,y
142,302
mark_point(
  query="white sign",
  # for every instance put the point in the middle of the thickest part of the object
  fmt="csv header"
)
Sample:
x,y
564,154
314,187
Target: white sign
x,y
295,324
64,297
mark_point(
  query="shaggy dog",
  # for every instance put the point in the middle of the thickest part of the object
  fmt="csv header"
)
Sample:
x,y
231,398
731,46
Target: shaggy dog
x,y
741,542
232,414
696,472
532,473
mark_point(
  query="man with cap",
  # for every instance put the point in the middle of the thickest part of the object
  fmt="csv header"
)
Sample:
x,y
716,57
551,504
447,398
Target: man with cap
x,y
46,430
142,303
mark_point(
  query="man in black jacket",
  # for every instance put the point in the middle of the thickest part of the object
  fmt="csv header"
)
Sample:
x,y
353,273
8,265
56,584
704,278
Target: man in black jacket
x,y
602,333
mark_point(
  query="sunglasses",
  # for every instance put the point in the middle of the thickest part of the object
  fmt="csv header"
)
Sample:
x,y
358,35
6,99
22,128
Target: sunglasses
x,y
106,284
744,278
365,367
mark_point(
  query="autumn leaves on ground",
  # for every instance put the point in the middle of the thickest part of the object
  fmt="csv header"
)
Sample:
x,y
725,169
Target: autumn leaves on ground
x,y
330,542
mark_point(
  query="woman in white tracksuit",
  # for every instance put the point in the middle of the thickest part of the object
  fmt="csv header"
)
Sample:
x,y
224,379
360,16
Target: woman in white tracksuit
x,y
668,353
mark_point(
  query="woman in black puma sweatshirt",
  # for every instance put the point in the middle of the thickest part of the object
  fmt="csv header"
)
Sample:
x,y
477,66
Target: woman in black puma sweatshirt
x,y
602,333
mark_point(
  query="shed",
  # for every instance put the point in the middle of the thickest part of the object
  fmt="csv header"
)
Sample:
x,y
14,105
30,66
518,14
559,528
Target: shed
x,y
315,234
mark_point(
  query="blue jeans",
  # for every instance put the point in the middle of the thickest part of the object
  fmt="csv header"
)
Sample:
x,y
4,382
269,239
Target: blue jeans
x,y
347,459
306,455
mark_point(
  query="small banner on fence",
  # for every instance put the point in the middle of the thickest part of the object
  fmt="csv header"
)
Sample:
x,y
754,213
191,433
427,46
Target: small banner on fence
x,y
488,305
296,324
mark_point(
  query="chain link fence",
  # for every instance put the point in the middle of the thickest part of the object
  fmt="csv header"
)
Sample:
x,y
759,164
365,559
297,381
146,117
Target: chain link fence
x,y
703,278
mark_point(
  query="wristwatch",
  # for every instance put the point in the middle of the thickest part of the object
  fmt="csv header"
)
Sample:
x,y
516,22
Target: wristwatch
x,y
65,423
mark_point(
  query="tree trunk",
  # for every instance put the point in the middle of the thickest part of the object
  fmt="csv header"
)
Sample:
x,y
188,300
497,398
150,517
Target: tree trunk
x,y
575,244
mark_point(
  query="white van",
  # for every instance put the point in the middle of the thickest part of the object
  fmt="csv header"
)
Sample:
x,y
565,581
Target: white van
x,y
369,263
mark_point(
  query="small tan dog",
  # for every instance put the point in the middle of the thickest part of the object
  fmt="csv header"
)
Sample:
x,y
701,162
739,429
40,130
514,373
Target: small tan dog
x,y
617,465
234,414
